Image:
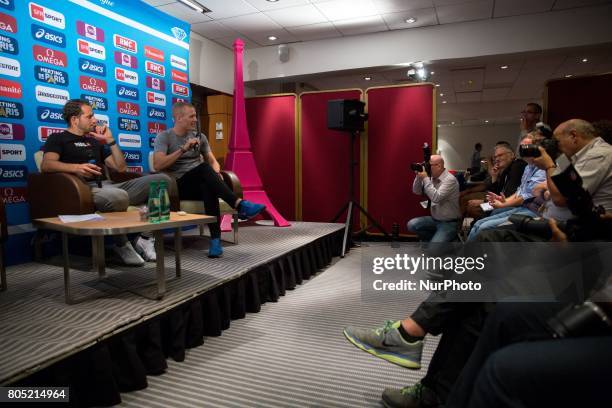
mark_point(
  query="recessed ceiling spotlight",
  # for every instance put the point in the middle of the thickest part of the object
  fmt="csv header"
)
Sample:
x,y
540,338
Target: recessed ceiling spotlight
x,y
504,67
486,121
585,60
569,76
432,72
272,38
441,94
411,20
443,101
437,85
367,78
452,123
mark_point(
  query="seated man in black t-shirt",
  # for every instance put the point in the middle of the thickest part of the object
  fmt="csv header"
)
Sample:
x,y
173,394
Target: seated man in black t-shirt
x,y
84,149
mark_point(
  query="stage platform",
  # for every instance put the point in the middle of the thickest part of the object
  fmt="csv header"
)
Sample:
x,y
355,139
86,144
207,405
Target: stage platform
x,y
116,336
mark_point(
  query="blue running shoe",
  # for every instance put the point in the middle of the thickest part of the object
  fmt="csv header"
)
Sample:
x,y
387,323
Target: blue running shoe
x,y
215,250
247,209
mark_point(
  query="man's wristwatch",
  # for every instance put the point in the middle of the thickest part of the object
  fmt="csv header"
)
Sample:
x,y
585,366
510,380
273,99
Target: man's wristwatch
x,y
112,143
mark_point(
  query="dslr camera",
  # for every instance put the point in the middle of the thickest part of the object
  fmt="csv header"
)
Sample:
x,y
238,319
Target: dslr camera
x,y
418,167
549,143
591,318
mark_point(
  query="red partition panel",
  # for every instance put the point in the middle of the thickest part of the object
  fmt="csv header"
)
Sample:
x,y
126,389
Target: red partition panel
x,y
325,157
583,98
271,122
401,119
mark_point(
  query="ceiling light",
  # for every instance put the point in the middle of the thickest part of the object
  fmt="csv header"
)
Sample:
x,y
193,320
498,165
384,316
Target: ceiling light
x,y
411,20
441,94
569,76
504,67
432,72
452,123
272,38
486,121
443,101
194,5
585,60
418,64
367,78
422,73
437,85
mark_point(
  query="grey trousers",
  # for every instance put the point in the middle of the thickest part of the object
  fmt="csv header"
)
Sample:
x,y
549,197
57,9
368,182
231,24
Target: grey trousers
x,y
119,196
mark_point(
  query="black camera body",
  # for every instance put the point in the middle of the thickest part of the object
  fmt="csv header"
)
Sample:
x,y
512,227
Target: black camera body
x,y
529,150
424,165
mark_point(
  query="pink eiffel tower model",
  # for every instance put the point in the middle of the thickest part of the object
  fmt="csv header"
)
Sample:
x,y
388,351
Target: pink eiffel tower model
x,y
239,157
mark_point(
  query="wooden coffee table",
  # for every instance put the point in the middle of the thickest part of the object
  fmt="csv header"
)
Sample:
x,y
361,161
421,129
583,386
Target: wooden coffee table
x,y
116,223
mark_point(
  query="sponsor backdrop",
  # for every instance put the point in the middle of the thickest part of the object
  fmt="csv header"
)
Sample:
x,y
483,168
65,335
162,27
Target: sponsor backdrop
x,y
126,58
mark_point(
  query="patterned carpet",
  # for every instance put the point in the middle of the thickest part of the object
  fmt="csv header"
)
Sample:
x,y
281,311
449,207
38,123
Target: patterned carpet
x,y
38,328
291,354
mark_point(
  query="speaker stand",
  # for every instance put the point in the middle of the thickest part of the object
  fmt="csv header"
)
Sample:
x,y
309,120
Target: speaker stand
x,y
352,203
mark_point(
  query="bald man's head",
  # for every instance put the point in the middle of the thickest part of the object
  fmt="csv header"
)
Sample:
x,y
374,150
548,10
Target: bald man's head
x,y
437,165
573,135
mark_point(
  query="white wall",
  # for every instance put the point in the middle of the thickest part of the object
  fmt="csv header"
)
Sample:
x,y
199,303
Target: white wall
x,y
457,142
210,64
568,28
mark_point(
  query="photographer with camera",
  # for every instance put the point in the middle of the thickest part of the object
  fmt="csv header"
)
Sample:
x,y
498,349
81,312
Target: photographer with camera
x,y
442,189
586,180
184,153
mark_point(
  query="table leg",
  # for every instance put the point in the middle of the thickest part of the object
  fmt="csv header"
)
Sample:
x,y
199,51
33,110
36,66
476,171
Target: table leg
x,y
67,292
178,246
160,272
97,249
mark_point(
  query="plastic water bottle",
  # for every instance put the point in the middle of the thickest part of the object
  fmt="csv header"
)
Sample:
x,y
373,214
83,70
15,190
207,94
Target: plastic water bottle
x,y
164,201
153,204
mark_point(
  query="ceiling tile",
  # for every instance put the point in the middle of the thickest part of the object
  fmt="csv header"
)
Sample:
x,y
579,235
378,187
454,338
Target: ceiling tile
x,y
281,35
494,94
225,9
393,6
505,8
297,16
264,5
565,4
212,30
229,42
496,77
251,23
463,97
475,10
184,13
314,31
347,9
549,62
468,80
361,25
397,21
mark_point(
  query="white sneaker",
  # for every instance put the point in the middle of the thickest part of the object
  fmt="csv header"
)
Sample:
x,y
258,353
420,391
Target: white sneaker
x,y
127,255
146,248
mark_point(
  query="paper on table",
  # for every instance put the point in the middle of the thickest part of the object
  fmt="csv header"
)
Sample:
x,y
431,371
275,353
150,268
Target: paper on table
x,y
78,218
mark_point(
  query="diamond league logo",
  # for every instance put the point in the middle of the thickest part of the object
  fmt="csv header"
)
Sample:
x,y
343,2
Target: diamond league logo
x,y
179,33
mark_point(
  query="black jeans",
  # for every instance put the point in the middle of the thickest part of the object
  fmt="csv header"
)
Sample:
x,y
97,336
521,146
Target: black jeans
x,y
516,364
203,183
460,325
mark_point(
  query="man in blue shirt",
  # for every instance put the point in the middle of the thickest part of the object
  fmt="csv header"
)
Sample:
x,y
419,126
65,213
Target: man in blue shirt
x,y
518,203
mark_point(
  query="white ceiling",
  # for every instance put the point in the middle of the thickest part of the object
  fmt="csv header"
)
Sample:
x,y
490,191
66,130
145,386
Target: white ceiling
x,y
304,20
